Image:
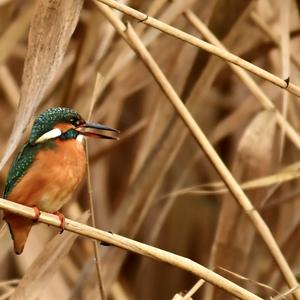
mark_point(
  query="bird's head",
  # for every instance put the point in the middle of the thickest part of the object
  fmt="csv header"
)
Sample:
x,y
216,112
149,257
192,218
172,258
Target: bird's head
x,y
64,123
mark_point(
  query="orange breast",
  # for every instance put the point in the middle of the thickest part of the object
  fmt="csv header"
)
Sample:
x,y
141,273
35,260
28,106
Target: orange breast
x,y
53,177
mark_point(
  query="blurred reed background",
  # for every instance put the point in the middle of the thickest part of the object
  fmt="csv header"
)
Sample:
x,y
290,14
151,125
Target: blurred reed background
x,y
155,184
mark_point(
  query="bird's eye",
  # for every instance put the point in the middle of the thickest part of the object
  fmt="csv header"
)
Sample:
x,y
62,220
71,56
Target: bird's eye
x,y
75,122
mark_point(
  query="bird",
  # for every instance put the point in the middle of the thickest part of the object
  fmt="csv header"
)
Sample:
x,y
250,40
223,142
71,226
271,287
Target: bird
x,y
49,168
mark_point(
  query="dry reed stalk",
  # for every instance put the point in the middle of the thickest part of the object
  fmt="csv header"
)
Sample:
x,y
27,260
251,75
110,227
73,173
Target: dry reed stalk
x,y
290,249
133,246
180,297
7,294
168,16
218,188
156,6
169,202
285,64
249,280
195,95
97,88
193,290
162,112
250,84
239,195
263,26
284,295
248,81
105,41
252,157
237,119
282,83
220,167
129,217
121,55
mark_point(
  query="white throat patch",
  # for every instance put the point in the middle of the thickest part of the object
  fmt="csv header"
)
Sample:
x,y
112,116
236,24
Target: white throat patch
x,y
49,135
80,138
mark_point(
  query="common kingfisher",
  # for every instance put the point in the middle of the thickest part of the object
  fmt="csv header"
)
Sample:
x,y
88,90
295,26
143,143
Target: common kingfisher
x,y
49,167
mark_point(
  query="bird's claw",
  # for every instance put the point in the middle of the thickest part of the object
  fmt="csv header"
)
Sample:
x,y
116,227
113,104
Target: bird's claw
x,y
62,220
102,243
37,213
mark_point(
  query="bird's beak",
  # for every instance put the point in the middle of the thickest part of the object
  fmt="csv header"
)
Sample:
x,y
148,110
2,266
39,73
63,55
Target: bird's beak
x,y
96,134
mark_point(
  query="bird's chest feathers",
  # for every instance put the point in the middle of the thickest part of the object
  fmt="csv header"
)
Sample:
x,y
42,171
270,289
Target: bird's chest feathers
x,y
66,167
54,175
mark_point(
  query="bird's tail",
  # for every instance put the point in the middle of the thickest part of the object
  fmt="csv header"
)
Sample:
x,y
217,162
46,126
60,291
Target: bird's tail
x,y
19,228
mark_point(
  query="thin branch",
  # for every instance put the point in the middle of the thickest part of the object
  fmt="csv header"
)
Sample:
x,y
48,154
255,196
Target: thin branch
x,y
287,293
9,282
97,88
133,41
7,294
133,246
193,290
292,88
247,80
235,189
273,36
285,64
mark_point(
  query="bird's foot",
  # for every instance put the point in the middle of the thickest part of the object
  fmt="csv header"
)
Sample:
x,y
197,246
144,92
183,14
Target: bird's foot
x,y
62,220
102,243
37,214
105,244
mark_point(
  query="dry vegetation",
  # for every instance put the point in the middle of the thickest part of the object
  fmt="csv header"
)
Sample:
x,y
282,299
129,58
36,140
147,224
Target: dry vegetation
x,y
162,183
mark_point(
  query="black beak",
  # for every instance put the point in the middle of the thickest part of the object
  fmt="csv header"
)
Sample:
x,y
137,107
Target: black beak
x,y
99,127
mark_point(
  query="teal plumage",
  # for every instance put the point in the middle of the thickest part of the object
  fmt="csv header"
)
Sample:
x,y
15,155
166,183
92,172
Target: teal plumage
x,y
43,123
22,164
46,120
49,167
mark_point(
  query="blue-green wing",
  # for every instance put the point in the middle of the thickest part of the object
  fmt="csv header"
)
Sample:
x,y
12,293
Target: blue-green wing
x,y
20,166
